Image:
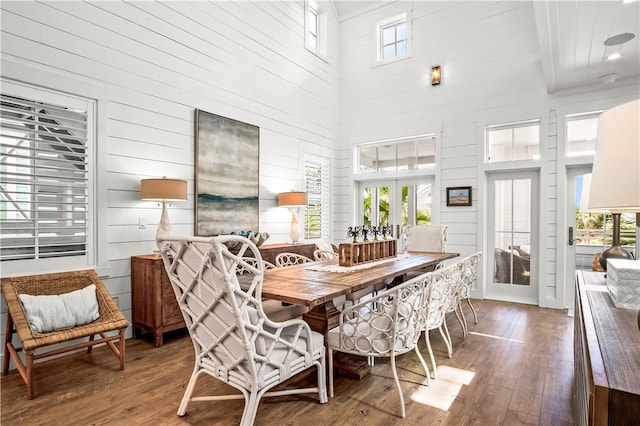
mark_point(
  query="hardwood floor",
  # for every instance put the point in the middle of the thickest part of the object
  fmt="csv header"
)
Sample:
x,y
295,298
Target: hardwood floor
x,y
515,368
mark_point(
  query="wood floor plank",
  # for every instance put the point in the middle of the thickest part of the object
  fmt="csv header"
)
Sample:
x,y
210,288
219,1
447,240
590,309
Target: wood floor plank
x,y
515,368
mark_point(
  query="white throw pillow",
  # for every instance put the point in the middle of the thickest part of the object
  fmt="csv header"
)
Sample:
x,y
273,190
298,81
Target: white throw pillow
x,y
47,313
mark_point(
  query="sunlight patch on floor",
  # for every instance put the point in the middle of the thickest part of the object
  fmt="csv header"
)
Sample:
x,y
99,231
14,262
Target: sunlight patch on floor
x,y
444,389
496,337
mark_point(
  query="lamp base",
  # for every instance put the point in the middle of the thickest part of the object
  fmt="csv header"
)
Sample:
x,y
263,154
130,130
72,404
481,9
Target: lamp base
x,y
614,252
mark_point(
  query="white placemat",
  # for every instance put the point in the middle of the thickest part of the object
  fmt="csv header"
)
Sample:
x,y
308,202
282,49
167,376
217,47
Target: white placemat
x,y
347,269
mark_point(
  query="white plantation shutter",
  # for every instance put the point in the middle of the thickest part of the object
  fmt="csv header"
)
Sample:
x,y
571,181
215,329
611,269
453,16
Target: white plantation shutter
x,y
44,183
317,184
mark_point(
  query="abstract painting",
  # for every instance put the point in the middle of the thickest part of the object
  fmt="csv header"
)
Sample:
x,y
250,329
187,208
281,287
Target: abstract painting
x,y
227,175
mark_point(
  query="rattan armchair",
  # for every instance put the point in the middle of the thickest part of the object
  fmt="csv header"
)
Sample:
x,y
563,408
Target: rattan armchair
x,y
41,345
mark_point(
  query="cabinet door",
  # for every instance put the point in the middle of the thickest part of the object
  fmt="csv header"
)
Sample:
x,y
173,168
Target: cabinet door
x,y
171,313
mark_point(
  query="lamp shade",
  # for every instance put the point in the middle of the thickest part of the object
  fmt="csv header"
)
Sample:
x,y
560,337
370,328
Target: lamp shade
x,y
292,198
615,182
163,189
584,197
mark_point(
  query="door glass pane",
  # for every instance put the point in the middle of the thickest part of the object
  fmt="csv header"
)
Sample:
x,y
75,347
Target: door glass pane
x,y
512,246
423,204
383,206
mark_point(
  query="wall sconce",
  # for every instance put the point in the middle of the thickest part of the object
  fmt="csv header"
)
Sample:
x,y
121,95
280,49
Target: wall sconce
x,y
615,182
162,190
293,199
435,75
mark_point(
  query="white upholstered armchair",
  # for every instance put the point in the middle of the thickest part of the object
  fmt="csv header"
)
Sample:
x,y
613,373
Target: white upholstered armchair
x,y
235,342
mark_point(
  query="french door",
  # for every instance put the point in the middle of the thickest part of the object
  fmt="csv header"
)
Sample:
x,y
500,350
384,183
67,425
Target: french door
x,y
512,200
395,203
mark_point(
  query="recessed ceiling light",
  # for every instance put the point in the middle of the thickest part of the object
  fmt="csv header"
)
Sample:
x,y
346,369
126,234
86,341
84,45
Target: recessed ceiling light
x,y
619,39
613,56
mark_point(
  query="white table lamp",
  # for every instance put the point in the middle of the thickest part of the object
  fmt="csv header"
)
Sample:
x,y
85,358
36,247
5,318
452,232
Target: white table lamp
x,y
162,190
293,199
615,181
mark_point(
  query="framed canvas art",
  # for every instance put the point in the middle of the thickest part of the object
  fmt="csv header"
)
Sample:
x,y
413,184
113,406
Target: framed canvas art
x,y
459,196
226,175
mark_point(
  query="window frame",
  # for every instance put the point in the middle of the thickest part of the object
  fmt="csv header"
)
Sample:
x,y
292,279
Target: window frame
x,y
377,41
512,126
323,197
313,8
96,243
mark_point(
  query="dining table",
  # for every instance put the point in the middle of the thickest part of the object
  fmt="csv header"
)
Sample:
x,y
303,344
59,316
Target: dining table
x,y
316,284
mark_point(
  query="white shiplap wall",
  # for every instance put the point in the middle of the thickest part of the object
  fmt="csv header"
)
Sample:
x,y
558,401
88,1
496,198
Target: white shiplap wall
x,y
149,65
491,74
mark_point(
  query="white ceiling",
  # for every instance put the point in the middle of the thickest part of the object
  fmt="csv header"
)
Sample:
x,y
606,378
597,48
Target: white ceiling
x,y
571,34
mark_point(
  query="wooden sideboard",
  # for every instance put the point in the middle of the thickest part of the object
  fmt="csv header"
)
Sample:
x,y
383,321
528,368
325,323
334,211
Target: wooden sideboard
x,y
153,302
606,356
270,251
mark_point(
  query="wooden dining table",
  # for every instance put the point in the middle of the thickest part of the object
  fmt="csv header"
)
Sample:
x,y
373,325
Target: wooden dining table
x,y
305,285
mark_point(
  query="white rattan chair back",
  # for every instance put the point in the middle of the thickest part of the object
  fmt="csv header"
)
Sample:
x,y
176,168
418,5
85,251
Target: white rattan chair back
x,y
386,325
234,340
289,259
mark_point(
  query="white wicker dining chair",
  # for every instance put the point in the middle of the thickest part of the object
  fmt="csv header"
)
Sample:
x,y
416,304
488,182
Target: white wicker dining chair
x,y
386,325
437,304
324,254
470,278
289,259
452,303
235,342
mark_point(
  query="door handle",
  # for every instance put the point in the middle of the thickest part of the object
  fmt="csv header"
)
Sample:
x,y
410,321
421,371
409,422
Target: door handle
x,y
571,239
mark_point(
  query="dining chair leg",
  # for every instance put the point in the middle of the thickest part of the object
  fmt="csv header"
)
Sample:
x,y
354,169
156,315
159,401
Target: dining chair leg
x,y
186,398
250,409
322,382
461,320
397,381
475,315
424,365
431,357
330,356
446,337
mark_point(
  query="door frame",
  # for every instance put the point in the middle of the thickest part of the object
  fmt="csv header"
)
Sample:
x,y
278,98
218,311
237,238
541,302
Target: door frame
x,y
536,281
568,218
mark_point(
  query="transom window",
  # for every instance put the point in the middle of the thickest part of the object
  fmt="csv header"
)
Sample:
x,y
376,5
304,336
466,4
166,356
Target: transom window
x,y
582,130
514,141
417,152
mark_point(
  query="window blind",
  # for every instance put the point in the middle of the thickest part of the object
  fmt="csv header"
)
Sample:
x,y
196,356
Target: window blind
x,y
317,212
43,180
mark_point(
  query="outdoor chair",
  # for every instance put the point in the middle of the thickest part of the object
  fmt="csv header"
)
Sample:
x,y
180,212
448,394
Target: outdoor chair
x,y
234,340
45,301
386,325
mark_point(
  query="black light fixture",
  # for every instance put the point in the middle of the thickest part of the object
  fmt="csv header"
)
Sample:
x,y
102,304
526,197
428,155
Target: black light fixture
x,y
435,75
